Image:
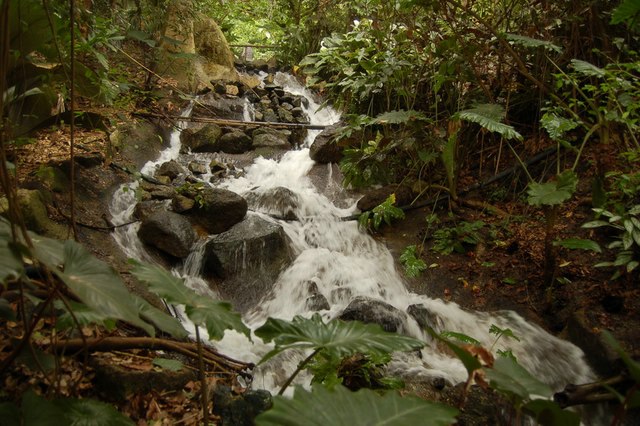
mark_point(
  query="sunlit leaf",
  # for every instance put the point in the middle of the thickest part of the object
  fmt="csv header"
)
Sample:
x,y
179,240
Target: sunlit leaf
x,y
341,407
215,316
555,192
160,319
399,117
489,116
168,364
336,337
578,244
587,68
532,42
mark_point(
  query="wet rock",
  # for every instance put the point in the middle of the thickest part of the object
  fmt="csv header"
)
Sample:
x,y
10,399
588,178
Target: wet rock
x,y
234,142
317,302
197,168
218,211
425,318
137,141
583,334
270,116
181,204
374,311
54,178
285,115
324,148
216,166
271,138
144,209
171,169
162,192
374,197
203,140
240,410
169,232
279,202
249,258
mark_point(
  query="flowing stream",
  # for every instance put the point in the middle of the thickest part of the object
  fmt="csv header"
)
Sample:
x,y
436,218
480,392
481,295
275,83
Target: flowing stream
x,y
335,259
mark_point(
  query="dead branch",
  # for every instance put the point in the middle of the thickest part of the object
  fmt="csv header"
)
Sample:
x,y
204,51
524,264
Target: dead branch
x,y
590,393
210,356
227,122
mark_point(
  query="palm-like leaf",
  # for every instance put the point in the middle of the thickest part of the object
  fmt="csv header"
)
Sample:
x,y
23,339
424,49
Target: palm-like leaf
x,y
341,407
338,338
215,315
532,42
399,117
489,116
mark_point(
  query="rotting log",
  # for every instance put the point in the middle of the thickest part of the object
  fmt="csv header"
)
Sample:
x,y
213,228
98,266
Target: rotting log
x,y
228,122
591,393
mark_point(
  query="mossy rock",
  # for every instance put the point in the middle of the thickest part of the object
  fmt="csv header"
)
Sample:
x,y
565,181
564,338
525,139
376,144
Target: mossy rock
x,y
33,208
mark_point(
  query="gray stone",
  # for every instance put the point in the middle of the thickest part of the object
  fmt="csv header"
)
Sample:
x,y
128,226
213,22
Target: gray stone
x,y
203,140
235,142
272,138
171,169
270,116
425,318
248,258
239,410
219,211
324,148
373,311
197,168
279,202
285,115
317,302
169,232
145,208
181,204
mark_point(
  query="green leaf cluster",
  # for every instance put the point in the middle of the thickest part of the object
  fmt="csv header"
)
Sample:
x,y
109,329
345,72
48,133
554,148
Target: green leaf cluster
x,y
457,238
384,212
413,265
553,193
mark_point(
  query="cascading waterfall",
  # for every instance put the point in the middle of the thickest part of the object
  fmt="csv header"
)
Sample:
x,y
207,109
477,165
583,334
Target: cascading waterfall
x,y
335,259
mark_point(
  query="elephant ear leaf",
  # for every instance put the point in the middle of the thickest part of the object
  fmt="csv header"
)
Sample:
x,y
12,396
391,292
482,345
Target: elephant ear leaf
x,y
214,315
341,407
338,338
98,286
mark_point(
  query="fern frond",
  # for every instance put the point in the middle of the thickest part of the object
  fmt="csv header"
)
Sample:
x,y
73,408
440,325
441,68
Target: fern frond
x,y
489,117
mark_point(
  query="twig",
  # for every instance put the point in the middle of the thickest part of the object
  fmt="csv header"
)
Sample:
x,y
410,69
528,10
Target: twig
x,y
228,122
298,370
590,393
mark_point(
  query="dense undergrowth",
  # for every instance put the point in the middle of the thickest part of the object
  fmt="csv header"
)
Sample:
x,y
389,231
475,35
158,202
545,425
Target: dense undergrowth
x,y
432,91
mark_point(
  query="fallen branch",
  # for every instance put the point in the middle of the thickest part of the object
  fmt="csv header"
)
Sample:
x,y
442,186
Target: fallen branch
x,y
227,122
210,356
590,393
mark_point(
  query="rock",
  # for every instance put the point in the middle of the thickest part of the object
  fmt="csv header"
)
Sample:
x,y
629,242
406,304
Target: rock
x,y
324,148
248,258
374,311
168,232
235,142
271,138
374,197
240,410
232,90
197,168
217,166
219,211
270,116
285,115
181,204
54,178
162,192
137,141
425,318
31,203
279,202
171,169
601,357
144,209
203,140
317,302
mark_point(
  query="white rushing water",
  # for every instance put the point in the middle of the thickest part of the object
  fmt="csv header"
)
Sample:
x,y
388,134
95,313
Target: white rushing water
x,y
342,263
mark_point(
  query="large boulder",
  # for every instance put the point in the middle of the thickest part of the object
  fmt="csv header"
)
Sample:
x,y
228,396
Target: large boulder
x,y
217,210
203,140
242,409
425,318
171,169
279,202
325,148
374,311
235,142
32,205
169,232
248,258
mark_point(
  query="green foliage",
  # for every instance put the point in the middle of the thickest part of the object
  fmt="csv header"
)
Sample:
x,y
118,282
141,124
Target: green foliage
x,y
364,407
461,337
168,364
413,265
386,211
355,372
36,410
365,166
533,43
336,338
214,315
578,244
457,238
626,239
555,192
629,12
489,117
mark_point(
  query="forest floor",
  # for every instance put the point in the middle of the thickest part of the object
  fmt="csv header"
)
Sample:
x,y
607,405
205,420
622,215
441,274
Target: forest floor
x,y
502,271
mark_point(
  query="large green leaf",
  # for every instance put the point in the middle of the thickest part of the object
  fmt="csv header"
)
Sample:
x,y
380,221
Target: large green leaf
x,y
489,116
587,68
161,320
577,243
82,314
399,117
557,126
338,338
549,413
341,407
555,192
98,286
629,11
510,377
89,412
38,411
215,315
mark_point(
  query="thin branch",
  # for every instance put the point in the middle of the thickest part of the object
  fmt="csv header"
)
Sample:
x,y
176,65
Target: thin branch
x,y
227,122
72,178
